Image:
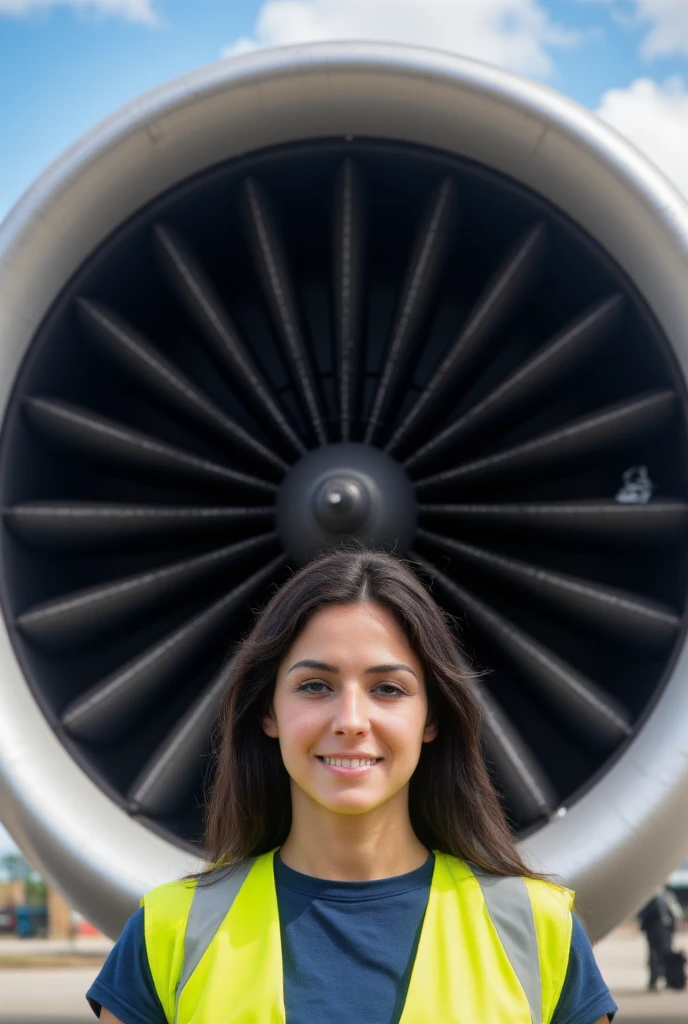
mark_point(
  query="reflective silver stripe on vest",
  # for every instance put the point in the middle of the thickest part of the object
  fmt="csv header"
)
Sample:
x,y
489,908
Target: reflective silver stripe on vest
x,y
210,905
511,911
506,899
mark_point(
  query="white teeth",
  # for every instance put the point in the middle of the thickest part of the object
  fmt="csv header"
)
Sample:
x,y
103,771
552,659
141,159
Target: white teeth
x,y
351,762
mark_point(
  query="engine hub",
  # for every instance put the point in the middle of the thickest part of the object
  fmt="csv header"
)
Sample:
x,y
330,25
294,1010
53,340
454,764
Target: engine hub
x,y
344,492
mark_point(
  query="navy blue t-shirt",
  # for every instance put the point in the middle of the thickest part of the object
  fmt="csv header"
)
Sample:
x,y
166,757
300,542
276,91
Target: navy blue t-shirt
x,y
347,949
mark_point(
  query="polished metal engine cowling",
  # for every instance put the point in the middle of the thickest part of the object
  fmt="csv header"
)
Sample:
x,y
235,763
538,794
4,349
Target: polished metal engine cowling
x,y
327,292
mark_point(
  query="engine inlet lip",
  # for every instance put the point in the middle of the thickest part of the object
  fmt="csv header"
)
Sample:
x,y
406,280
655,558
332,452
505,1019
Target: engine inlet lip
x,y
69,211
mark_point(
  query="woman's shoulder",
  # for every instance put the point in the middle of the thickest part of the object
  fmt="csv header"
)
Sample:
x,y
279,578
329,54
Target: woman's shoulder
x,y
552,905
169,904
550,895
544,888
174,886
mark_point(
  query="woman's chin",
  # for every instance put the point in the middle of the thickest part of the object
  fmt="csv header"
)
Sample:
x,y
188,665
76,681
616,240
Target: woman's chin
x,y
349,803
346,796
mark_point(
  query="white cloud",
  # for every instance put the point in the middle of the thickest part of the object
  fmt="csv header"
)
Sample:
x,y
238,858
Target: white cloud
x,y
666,22
654,116
134,10
516,34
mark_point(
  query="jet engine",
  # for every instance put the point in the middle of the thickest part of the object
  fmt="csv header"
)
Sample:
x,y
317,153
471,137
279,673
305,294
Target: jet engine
x,y
340,291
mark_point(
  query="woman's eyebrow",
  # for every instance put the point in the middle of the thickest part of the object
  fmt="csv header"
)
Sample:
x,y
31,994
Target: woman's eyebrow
x,y
375,669
322,666
308,663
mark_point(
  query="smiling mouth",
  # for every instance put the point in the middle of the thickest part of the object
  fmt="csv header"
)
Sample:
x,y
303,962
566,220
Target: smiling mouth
x,y
349,762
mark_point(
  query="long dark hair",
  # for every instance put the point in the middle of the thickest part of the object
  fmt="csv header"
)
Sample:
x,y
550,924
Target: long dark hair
x,y
452,803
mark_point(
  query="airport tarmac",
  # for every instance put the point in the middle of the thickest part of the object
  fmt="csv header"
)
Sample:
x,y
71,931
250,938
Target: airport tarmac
x,y
55,995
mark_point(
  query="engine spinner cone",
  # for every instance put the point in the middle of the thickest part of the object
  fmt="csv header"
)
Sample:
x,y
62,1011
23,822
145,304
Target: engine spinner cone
x,y
344,492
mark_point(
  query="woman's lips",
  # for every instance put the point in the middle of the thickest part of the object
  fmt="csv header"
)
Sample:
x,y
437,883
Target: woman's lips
x,y
348,770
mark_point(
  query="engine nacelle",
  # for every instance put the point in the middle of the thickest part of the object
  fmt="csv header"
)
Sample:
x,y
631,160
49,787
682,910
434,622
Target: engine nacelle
x,y
328,291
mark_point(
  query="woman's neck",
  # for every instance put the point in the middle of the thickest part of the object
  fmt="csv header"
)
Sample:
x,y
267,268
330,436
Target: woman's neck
x,y
351,847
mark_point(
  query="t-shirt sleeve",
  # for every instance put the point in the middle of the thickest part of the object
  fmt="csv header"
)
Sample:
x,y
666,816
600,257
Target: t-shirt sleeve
x,y
585,997
125,985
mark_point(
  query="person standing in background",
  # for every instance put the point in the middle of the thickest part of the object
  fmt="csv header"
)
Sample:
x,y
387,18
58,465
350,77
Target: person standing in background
x,y
658,922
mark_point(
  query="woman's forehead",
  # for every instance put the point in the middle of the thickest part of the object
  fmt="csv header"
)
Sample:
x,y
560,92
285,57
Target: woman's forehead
x,y
355,630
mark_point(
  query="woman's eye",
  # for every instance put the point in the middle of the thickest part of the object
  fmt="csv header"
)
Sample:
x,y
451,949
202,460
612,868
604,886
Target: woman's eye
x,y
313,686
390,690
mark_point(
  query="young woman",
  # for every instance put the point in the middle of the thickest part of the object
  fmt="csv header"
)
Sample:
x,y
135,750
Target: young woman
x,y
364,870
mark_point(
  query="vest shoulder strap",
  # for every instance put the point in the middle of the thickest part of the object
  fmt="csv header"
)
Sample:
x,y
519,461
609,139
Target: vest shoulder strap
x,y
511,912
164,909
174,954
212,901
533,921
552,906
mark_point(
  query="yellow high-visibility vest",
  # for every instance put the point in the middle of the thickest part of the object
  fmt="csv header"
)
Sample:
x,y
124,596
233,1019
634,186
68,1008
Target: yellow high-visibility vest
x,y
492,950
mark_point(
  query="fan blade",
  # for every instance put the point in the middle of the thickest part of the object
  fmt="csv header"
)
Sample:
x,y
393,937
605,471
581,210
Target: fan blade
x,y
597,718
97,436
587,437
658,522
206,309
525,784
348,276
537,377
421,279
105,712
167,781
636,620
272,265
150,368
85,614
523,780
500,298
63,524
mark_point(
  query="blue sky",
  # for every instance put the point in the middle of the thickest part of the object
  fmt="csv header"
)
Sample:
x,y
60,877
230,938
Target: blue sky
x,y
66,64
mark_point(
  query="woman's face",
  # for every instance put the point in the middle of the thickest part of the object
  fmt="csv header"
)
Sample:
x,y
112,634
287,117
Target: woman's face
x,y
350,689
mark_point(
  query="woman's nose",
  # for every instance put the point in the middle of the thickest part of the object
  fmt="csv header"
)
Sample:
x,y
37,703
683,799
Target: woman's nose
x,y
350,715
